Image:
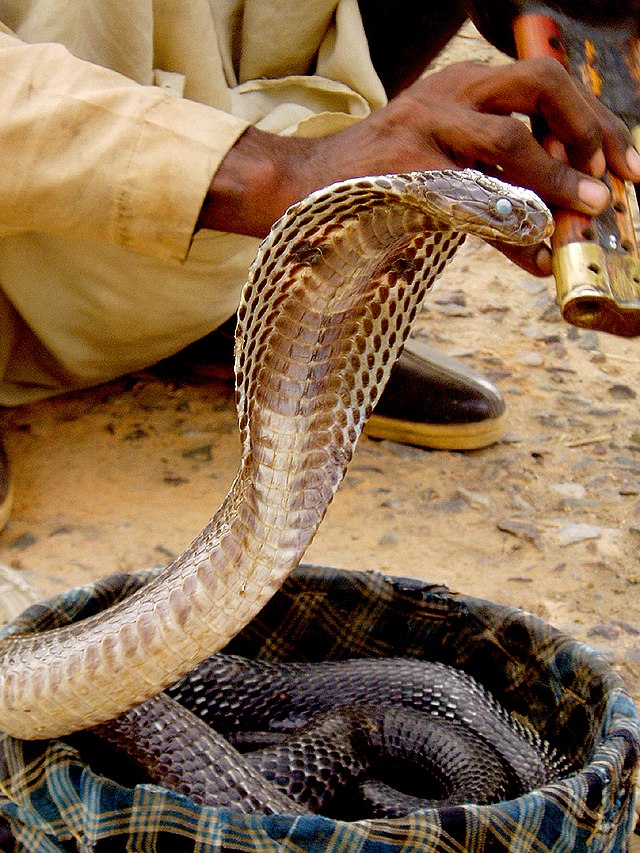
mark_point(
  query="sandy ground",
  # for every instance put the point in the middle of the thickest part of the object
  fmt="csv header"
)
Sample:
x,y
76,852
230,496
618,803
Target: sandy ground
x,y
123,476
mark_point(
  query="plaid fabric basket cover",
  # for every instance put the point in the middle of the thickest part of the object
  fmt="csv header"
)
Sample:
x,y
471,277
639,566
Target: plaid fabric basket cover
x,y
52,802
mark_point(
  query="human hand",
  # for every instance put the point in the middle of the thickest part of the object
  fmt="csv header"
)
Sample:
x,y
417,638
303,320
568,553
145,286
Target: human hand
x,y
458,117
462,116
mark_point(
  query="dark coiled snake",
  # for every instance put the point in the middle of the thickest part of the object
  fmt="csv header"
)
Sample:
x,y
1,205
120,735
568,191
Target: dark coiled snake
x,y
328,305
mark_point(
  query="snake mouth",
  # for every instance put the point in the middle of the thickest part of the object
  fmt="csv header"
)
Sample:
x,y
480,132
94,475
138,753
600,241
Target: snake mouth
x,y
535,232
551,227
535,222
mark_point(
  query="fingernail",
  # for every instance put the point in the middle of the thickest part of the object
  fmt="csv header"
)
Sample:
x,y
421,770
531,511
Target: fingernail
x,y
598,164
543,261
557,149
594,194
633,161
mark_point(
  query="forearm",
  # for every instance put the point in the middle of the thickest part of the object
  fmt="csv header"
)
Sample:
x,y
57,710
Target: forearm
x,y
261,175
89,154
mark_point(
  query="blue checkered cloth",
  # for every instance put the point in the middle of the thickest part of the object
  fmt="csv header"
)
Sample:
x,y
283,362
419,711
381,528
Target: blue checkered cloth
x,y
50,801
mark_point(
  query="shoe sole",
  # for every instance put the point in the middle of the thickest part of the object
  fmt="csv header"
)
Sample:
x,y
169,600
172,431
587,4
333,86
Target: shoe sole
x,y
466,436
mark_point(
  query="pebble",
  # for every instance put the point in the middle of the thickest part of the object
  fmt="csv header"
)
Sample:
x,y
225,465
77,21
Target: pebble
x,y
461,352
535,331
603,413
558,349
519,502
570,505
497,375
24,541
551,314
574,400
455,504
174,480
629,462
522,529
454,310
492,359
611,545
388,539
165,552
606,630
561,367
622,392
474,499
530,359
552,339
569,490
64,530
202,453
491,308
136,434
551,419
571,532
627,627
392,503
631,488
511,438
589,340
451,297
602,480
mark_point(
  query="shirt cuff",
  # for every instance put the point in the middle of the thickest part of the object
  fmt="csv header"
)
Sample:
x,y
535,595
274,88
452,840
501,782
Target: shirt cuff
x,y
180,146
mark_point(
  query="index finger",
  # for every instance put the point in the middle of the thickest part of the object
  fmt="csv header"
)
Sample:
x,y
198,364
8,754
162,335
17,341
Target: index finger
x,y
504,146
542,88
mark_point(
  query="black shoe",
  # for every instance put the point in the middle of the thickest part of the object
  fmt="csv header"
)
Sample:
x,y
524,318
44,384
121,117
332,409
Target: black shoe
x,y
434,401
6,488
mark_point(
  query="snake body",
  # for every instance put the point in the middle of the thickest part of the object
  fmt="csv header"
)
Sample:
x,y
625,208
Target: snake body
x,y
329,302
351,738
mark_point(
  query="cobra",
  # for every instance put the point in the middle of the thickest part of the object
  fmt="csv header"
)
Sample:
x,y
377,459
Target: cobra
x,y
352,738
330,300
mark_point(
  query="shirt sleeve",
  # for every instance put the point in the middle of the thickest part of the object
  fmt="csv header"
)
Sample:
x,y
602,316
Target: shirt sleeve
x,y
88,153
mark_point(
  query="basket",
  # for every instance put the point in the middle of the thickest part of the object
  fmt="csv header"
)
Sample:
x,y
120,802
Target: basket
x,y
51,802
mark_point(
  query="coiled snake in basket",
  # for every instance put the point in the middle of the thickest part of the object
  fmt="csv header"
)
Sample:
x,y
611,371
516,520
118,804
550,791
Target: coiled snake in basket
x,y
328,305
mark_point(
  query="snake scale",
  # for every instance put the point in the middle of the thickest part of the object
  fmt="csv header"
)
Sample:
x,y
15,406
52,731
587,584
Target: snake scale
x,y
329,302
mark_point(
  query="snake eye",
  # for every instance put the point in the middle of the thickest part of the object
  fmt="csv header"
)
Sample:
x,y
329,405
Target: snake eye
x,y
504,207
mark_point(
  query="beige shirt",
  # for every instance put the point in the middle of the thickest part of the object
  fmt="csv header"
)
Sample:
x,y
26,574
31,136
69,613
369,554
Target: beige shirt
x,y
115,116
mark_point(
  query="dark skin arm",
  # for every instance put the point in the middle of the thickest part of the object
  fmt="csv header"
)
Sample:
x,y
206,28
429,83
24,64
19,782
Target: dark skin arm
x,y
459,117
